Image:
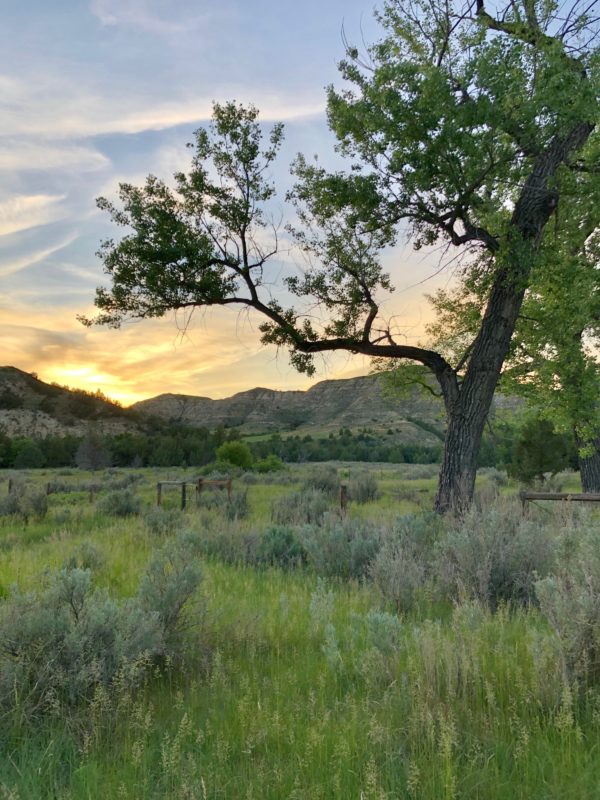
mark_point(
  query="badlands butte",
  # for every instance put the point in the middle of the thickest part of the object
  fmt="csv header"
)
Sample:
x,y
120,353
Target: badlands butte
x,y
31,407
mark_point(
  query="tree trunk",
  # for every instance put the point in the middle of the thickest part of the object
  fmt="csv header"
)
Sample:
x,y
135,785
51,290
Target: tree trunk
x,y
456,482
589,470
468,408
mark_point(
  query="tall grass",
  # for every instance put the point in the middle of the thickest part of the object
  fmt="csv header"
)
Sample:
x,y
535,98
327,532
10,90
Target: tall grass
x,y
299,686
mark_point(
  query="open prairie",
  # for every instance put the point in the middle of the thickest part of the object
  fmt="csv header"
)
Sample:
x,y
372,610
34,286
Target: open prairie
x,y
263,646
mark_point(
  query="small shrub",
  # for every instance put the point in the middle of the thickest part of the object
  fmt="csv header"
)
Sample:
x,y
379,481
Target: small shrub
x,y
163,521
62,517
363,488
493,475
232,508
384,631
270,463
172,578
324,479
341,548
494,556
570,600
306,507
87,557
280,546
237,506
120,503
229,543
58,645
402,567
24,504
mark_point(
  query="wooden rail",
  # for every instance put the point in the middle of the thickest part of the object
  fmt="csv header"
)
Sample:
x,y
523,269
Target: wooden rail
x,y
565,496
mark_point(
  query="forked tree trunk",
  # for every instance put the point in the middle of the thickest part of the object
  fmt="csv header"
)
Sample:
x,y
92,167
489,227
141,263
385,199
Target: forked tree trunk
x,y
468,405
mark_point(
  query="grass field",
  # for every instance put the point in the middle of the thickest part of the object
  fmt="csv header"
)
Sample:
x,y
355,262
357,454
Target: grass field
x,y
292,684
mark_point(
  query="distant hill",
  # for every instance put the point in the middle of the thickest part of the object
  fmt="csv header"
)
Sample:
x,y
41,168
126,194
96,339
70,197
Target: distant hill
x,y
30,407
326,407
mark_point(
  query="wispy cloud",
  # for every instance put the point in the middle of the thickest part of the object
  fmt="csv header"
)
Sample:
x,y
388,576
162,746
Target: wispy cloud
x,y
10,266
28,211
60,109
40,154
175,17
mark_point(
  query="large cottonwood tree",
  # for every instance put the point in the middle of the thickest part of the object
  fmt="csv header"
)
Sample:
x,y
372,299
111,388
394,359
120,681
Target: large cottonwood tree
x,y
553,361
458,126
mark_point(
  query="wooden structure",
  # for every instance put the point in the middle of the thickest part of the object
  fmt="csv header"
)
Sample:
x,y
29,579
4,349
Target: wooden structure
x,y
199,484
343,499
567,497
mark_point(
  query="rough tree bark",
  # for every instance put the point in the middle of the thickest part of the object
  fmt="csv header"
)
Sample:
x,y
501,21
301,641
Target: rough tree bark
x,y
468,409
589,468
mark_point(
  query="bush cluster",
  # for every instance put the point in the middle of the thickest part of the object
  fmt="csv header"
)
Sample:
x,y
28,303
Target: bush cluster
x,y
24,503
120,503
297,508
62,642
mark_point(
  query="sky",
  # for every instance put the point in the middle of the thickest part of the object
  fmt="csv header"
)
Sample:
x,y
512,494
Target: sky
x,y
94,92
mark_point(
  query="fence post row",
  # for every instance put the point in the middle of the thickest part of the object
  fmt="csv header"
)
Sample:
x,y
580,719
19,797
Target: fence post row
x,y
199,484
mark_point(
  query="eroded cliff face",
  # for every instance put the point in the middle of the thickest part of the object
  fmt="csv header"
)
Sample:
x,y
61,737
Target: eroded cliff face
x,y
327,406
30,407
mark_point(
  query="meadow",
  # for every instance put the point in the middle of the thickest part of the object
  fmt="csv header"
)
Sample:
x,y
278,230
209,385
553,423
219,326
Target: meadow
x,y
293,653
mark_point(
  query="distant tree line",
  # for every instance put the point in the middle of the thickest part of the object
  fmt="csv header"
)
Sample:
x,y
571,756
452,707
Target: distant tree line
x,y
169,446
365,445
527,447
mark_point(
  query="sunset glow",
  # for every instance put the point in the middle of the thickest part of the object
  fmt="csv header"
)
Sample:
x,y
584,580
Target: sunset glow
x,y
100,92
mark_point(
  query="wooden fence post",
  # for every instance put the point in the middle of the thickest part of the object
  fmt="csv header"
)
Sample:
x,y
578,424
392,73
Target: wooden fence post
x,y
10,485
343,498
158,493
183,495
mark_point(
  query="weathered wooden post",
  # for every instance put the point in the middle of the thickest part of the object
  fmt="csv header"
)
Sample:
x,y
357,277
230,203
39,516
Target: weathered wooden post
x,y
343,499
158,493
10,485
183,495
229,488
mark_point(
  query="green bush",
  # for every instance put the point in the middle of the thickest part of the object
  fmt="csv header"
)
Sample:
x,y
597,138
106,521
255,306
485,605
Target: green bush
x,y
323,479
539,450
236,453
341,548
85,556
494,556
120,503
60,643
163,521
24,503
363,488
403,565
297,508
171,580
570,600
270,463
280,546
231,507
